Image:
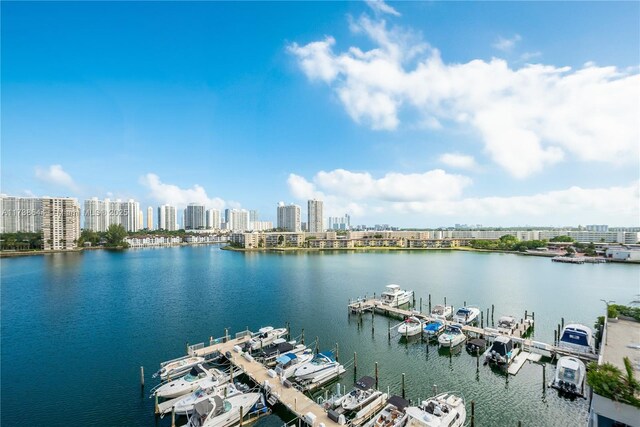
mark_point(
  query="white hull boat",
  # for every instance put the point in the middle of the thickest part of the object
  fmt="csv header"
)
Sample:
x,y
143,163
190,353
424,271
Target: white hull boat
x,y
218,412
185,405
177,367
433,329
576,337
198,377
452,336
411,326
322,363
466,315
287,364
395,297
507,324
362,395
570,375
442,312
264,337
443,410
502,352
392,415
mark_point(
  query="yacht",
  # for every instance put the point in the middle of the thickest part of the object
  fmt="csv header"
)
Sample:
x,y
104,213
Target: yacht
x,y
219,412
466,315
264,337
434,328
280,346
411,326
185,405
476,346
507,324
197,377
177,367
321,366
443,312
395,297
452,336
576,337
362,395
289,362
443,410
502,352
392,415
569,378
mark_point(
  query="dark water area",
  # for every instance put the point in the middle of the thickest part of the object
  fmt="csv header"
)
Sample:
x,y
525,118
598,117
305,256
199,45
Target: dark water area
x,y
77,327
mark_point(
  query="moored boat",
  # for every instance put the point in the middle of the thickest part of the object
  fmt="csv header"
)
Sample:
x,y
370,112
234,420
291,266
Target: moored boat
x,y
570,375
443,312
185,405
443,410
177,367
264,337
502,352
410,327
219,412
318,368
363,393
452,336
289,362
394,296
466,315
507,324
576,337
434,328
198,377
392,415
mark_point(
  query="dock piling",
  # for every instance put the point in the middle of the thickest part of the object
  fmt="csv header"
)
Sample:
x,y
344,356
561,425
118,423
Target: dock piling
x,y
482,319
302,336
465,304
155,407
337,353
562,319
420,304
173,416
376,375
373,315
355,365
544,377
403,393
142,376
473,413
241,415
317,346
445,301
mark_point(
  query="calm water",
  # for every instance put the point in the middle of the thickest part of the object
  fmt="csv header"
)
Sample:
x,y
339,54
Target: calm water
x,y
77,327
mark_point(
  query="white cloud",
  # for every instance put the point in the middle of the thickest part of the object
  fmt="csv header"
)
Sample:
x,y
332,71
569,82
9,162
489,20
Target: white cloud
x,y
506,45
380,7
173,195
527,118
459,161
56,176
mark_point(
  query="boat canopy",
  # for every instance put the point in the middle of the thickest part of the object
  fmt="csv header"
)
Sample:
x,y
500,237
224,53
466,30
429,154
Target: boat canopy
x,y
576,336
398,402
433,326
464,311
204,407
286,358
365,383
502,346
328,354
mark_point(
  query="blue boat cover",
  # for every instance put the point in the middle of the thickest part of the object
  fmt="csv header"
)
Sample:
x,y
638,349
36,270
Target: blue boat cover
x,y
433,326
574,336
328,354
285,358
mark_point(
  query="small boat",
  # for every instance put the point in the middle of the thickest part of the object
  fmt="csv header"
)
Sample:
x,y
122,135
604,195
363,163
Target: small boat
x,y
507,324
362,394
577,337
569,378
476,345
264,337
502,352
394,296
185,405
176,367
434,328
392,415
219,412
411,326
443,312
466,315
320,366
198,377
452,336
443,410
289,362
280,346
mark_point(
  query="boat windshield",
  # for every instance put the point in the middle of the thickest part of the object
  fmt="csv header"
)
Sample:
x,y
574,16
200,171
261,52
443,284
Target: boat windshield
x,y
464,311
227,406
568,374
190,377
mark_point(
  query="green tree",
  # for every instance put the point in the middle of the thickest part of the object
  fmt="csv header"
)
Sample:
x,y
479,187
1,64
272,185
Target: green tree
x,y
562,239
115,235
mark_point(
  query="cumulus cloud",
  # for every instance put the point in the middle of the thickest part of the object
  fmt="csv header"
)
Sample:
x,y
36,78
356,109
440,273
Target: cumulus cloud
x,y
506,44
173,195
56,176
527,118
380,7
459,161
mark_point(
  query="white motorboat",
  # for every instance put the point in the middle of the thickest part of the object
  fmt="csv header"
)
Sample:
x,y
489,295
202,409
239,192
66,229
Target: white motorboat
x,y
452,336
185,405
411,326
395,297
502,352
507,324
434,328
219,412
176,367
443,410
392,415
264,337
577,337
570,375
287,364
442,312
466,315
362,394
198,377
318,368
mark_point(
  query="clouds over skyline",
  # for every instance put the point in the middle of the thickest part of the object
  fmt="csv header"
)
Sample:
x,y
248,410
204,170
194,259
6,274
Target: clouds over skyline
x,y
171,194
526,118
55,177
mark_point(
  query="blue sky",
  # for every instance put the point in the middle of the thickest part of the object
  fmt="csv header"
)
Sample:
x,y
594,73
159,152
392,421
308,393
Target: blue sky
x,y
418,114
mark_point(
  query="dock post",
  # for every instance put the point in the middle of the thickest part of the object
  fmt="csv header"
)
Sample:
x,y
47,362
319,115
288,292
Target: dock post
x,y
173,417
142,376
544,377
302,338
429,303
241,415
559,334
155,407
317,346
533,316
389,334
373,315
187,347
403,385
482,319
562,322
337,353
295,403
492,309
445,301
464,304
473,413
414,300
376,378
355,365
420,304
525,315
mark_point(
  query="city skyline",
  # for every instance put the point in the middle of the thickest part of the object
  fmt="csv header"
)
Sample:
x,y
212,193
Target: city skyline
x,y
411,114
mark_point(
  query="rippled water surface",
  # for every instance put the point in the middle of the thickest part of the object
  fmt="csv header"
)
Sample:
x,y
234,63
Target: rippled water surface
x,y
77,327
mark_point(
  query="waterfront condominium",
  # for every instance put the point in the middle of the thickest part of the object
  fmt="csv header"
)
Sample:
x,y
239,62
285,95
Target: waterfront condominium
x,y
60,223
167,218
314,216
149,218
194,218
213,219
289,217
20,214
100,214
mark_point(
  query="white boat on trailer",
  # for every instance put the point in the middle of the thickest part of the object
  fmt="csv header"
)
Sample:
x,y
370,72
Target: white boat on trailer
x,y
219,412
176,367
197,377
570,376
443,410
452,336
466,315
410,327
395,297
502,352
442,312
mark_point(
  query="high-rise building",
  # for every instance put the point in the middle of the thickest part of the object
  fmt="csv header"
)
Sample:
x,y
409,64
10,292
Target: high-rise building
x,y
149,218
20,214
340,223
253,216
289,217
194,218
238,220
96,214
129,215
213,219
100,214
314,216
167,218
60,223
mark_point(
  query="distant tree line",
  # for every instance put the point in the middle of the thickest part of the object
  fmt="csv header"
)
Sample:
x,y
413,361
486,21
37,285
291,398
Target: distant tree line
x,y
21,241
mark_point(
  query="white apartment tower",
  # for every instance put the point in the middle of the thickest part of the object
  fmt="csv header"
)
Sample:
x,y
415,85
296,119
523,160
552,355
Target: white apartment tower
x,y
194,217
213,219
314,216
20,214
149,218
100,214
238,220
289,217
167,218
60,223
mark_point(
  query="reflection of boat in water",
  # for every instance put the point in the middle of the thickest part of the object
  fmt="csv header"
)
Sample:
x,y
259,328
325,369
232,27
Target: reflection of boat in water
x,y
502,352
443,410
452,336
410,327
569,378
